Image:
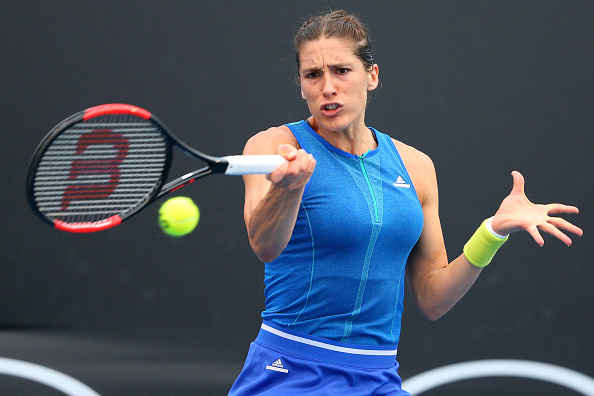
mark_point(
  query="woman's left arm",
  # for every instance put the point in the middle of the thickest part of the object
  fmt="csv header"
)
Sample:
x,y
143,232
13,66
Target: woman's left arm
x,y
438,285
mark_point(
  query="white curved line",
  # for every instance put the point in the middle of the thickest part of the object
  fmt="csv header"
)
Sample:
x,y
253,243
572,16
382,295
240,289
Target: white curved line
x,y
46,376
354,351
500,368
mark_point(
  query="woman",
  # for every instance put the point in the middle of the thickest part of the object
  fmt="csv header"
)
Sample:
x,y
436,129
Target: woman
x,y
337,242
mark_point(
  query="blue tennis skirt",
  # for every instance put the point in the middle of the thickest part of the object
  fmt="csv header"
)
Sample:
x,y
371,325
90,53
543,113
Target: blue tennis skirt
x,y
285,362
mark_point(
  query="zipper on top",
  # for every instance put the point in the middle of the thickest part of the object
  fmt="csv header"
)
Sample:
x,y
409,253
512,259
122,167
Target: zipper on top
x,y
373,198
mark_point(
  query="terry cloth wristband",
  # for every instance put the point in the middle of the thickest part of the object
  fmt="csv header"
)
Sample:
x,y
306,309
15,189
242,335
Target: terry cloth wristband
x,y
483,245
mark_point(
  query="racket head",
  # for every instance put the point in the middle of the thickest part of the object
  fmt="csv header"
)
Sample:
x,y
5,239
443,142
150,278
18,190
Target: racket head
x,y
98,167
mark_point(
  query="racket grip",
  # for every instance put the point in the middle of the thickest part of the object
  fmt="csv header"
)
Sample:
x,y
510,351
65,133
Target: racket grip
x,y
252,164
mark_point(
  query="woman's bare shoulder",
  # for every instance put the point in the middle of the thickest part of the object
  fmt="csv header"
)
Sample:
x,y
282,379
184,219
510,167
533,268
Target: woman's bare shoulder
x,y
266,142
413,158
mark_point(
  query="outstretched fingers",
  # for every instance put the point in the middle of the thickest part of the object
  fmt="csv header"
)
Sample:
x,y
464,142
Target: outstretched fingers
x,y
554,231
517,213
554,226
566,225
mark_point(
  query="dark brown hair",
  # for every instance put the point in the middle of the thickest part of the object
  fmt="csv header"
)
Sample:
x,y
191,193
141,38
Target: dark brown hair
x,y
336,24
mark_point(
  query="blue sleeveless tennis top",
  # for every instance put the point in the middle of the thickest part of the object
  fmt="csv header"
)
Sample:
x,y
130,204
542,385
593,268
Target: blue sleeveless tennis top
x,y
341,276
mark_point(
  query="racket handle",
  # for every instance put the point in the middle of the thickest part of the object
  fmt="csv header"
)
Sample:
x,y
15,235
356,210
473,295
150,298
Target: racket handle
x,y
252,164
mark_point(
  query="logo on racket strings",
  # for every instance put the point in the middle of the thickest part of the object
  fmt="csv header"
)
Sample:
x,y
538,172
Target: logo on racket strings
x,y
97,172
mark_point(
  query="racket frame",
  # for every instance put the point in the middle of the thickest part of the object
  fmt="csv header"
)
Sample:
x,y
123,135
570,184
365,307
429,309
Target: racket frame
x,y
214,165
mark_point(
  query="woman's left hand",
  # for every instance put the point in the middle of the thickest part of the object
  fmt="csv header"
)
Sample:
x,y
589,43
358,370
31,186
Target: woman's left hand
x,y
517,213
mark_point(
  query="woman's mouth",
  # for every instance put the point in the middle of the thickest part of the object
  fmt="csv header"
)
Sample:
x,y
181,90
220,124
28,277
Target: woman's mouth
x,y
331,109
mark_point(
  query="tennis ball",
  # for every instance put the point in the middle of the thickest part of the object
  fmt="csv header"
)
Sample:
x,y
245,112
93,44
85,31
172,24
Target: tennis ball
x,y
178,216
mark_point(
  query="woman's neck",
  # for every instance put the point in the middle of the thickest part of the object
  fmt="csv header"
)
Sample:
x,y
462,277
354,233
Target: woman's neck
x,y
356,140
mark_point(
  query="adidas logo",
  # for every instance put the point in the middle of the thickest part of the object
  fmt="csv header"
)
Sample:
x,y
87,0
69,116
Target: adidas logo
x,y
401,183
277,366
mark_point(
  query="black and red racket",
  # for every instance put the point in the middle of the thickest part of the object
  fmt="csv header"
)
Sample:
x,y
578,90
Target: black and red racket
x,y
102,165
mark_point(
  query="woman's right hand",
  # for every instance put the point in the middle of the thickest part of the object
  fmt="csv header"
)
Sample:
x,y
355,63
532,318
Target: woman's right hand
x,y
296,172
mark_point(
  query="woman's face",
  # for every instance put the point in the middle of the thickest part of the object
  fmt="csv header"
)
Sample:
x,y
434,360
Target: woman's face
x,y
334,82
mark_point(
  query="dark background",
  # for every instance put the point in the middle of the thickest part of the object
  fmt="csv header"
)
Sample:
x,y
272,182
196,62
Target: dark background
x,y
483,87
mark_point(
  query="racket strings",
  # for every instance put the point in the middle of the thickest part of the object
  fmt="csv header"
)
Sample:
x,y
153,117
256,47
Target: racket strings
x,y
99,168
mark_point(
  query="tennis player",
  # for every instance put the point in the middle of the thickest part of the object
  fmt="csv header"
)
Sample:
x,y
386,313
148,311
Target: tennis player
x,y
341,224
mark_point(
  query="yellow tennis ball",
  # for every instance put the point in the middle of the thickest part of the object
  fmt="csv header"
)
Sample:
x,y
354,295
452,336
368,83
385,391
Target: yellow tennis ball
x,y
178,216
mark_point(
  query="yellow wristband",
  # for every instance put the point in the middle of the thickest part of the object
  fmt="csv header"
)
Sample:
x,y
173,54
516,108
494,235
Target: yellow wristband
x,y
482,246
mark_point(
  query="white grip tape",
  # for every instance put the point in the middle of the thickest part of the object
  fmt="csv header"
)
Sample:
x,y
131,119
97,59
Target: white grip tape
x,y
252,164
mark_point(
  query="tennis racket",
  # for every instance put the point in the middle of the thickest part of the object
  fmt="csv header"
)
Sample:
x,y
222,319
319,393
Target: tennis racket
x,y
102,165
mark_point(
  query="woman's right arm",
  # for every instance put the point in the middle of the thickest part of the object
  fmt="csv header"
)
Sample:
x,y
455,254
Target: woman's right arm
x,y
272,201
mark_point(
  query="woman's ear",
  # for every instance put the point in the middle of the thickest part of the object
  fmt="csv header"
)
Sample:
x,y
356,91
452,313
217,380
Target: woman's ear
x,y
373,78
